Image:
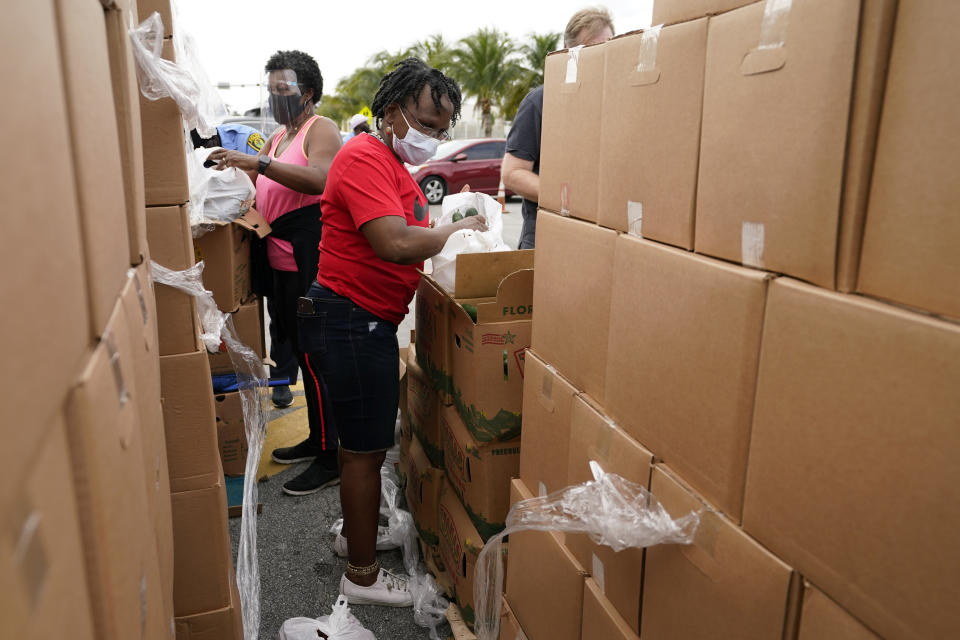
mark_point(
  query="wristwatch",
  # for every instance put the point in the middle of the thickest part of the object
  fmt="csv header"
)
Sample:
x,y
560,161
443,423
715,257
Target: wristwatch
x,y
262,163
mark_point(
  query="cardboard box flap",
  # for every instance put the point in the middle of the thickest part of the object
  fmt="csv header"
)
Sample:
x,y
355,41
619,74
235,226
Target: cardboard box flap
x,y
254,221
514,299
479,274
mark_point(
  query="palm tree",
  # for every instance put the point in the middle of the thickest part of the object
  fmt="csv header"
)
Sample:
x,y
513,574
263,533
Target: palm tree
x,y
435,51
533,53
484,66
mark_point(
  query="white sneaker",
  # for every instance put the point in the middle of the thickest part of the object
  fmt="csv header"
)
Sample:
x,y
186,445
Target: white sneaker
x,y
384,543
389,590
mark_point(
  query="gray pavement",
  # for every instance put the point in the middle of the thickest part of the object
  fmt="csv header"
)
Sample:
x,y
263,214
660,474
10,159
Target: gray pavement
x,y
299,572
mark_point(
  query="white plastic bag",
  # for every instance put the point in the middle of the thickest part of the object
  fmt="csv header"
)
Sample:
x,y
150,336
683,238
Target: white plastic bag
x,y
611,510
466,240
339,625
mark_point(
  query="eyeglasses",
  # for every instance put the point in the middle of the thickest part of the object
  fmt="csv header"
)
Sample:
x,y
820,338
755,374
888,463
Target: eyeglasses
x,y
440,134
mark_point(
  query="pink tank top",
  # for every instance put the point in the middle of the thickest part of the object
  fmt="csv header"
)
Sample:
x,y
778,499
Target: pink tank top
x,y
274,199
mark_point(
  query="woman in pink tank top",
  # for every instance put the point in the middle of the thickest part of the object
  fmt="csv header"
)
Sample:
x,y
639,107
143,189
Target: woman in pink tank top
x,y
290,174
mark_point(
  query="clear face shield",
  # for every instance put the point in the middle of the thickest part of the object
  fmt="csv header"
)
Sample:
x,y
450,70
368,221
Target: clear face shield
x,y
284,101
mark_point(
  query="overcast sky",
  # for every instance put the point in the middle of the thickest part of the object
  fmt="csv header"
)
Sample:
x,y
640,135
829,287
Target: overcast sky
x,y
235,37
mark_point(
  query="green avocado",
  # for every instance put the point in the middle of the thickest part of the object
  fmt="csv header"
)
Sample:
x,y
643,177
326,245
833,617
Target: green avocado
x,y
457,217
471,212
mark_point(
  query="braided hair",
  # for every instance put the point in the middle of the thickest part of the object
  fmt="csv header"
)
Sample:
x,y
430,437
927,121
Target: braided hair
x,y
407,81
303,64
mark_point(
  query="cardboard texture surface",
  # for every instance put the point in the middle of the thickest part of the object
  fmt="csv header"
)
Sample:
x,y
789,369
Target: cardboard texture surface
x,y
724,585
42,573
784,211
684,345
572,91
106,453
487,359
910,240
545,440
248,325
423,485
509,626
222,624
171,246
96,154
231,433
203,566
479,274
593,436
540,564
189,419
146,7
600,617
431,336
165,148
423,410
479,472
34,329
126,97
670,11
572,298
459,546
848,390
178,324
821,617
225,252
650,134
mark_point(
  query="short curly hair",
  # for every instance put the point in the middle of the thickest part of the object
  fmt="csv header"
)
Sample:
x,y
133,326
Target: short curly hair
x,y
407,80
306,68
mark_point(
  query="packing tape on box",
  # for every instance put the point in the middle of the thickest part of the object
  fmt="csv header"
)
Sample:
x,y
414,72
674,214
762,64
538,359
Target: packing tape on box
x,y
132,274
545,397
773,28
573,62
564,199
29,555
634,218
110,342
599,574
752,244
649,44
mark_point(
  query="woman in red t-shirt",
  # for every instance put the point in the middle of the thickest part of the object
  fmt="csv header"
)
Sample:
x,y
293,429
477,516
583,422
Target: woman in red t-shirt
x,y
376,235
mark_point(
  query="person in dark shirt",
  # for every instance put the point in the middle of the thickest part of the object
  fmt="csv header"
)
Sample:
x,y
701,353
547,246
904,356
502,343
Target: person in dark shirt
x,y
520,169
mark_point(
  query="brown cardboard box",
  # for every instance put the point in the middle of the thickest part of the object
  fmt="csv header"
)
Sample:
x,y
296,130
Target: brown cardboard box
x,y
171,246
570,132
618,575
487,358
459,546
540,564
821,617
225,252
431,335
509,626
423,410
724,585
479,472
126,92
600,618
96,154
423,485
912,231
202,576
547,400
788,134
221,624
42,575
147,7
231,433
248,326
650,134
572,298
42,257
856,425
684,345
106,452
189,421
671,11
165,147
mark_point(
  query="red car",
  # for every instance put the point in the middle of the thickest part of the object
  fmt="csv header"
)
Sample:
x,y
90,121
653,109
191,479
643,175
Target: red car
x,y
473,161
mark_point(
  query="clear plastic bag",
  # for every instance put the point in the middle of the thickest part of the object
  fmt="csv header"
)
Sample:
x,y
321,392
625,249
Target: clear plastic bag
x,y
215,195
252,381
611,510
466,240
339,625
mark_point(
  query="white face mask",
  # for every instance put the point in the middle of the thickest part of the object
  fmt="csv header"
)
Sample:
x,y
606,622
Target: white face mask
x,y
415,147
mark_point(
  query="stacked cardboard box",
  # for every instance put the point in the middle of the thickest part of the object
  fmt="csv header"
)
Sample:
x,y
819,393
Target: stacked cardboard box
x,y
89,526
714,340
461,422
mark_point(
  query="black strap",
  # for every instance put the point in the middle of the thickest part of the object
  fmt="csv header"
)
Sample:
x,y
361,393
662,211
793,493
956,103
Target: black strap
x,y
302,228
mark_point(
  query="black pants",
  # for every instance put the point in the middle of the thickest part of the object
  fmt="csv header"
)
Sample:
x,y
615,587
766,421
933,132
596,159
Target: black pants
x,y
281,351
286,288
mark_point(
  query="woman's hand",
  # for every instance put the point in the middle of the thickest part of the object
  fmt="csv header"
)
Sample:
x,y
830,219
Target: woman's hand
x,y
228,158
475,223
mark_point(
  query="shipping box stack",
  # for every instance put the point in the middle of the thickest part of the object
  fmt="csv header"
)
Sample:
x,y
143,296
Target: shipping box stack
x,y
89,536
772,177
205,597
462,419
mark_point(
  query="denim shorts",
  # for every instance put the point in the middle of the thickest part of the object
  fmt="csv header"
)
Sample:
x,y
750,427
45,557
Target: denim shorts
x,y
354,355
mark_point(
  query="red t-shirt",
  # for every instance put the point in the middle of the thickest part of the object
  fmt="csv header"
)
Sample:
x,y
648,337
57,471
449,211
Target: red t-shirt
x,y
365,182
